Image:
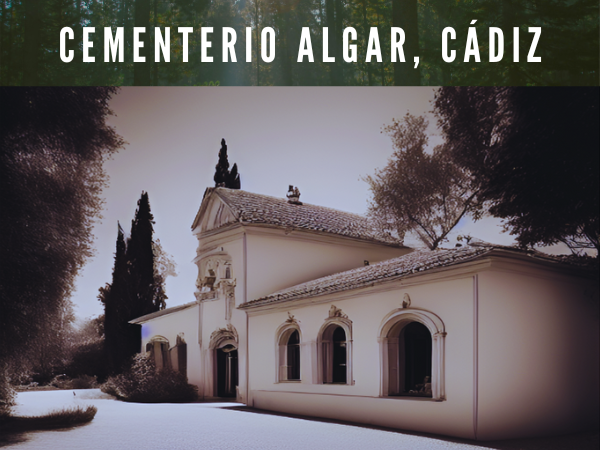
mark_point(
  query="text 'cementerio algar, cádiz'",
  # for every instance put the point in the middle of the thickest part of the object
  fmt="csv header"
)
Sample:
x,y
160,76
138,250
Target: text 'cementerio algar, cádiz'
x,y
114,44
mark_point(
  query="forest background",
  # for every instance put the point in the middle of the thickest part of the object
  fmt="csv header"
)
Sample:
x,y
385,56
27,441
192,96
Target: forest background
x,y
30,30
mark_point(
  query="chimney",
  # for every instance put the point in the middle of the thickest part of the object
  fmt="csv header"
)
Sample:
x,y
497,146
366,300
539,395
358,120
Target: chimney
x,y
293,195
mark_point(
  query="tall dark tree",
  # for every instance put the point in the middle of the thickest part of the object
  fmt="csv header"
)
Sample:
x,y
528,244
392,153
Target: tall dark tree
x,y
137,288
147,295
52,147
534,155
223,176
115,297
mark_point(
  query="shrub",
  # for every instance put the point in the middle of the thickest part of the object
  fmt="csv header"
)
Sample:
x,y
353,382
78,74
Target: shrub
x,y
84,382
88,359
144,384
7,396
65,418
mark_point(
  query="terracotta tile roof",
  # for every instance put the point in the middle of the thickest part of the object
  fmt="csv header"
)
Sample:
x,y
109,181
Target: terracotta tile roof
x,y
250,208
396,268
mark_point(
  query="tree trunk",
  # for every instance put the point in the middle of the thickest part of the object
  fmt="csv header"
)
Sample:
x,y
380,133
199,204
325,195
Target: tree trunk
x,y
155,64
330,10
32,44
142,70
404,15
366,34
508,22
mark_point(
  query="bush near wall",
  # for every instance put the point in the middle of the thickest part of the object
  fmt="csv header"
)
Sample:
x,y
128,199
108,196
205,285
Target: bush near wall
x,y
144,384
7,396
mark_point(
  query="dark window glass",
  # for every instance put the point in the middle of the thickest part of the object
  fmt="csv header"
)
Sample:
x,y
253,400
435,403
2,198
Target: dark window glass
x,y
417,359
293,356
339,356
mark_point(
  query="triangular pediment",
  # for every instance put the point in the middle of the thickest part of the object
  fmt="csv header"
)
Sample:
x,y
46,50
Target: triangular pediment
x,y
214,213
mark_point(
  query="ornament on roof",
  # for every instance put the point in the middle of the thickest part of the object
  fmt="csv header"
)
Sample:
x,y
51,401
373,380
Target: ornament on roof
x,y
293,195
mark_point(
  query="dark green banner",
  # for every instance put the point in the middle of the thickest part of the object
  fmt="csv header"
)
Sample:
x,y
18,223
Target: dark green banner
x,y
299,42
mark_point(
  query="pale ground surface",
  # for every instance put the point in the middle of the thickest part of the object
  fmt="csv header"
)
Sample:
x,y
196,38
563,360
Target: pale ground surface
x,y
119,425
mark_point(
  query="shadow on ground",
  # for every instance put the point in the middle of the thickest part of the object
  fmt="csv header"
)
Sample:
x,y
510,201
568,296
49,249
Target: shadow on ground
x,y
588,440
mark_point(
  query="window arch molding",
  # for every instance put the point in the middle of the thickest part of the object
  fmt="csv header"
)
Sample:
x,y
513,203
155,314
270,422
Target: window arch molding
x,y
397,320
282,337
158,347
325,346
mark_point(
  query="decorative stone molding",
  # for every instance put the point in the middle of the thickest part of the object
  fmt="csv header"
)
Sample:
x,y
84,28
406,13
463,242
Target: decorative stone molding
x,y
291,318
334,311
221,335
214,269
406,301
205,296
228,290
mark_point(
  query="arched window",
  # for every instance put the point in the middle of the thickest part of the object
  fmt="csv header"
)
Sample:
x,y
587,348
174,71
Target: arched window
x,y
335,349
412,350
288,352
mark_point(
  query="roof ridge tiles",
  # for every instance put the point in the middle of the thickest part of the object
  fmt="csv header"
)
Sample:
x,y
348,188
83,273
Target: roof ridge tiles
x,y
252,208
388,270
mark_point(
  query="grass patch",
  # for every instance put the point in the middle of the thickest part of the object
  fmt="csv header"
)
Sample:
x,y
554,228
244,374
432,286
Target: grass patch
x,y
65,418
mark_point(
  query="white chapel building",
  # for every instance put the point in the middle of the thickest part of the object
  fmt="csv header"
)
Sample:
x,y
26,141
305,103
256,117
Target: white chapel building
x,y
305,310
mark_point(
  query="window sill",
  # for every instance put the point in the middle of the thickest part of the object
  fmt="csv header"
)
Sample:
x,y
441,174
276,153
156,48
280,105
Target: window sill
x,y
414,397
289,381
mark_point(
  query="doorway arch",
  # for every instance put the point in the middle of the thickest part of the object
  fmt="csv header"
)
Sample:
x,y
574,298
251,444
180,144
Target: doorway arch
x,y
224,355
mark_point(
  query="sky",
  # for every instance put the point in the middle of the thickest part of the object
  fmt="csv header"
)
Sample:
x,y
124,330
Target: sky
x,y
322,140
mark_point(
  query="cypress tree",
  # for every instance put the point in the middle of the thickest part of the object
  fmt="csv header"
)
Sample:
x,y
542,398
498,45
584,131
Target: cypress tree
x,y
148,297
137,288
223,176
233,181
114,297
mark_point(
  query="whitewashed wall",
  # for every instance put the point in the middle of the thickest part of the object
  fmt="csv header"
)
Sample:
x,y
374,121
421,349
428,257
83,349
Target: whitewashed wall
x,y
277,260
169,326
451,300
538,354
531,371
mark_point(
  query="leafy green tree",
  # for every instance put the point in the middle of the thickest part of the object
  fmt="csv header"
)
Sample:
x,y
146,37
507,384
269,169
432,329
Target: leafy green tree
x,y
533,154
420,192
52,147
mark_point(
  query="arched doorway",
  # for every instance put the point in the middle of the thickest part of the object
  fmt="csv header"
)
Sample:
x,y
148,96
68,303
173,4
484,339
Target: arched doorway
x,y
223,362
227,370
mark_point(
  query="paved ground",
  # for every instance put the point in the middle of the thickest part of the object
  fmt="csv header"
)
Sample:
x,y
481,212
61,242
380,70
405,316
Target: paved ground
x,y
217,426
